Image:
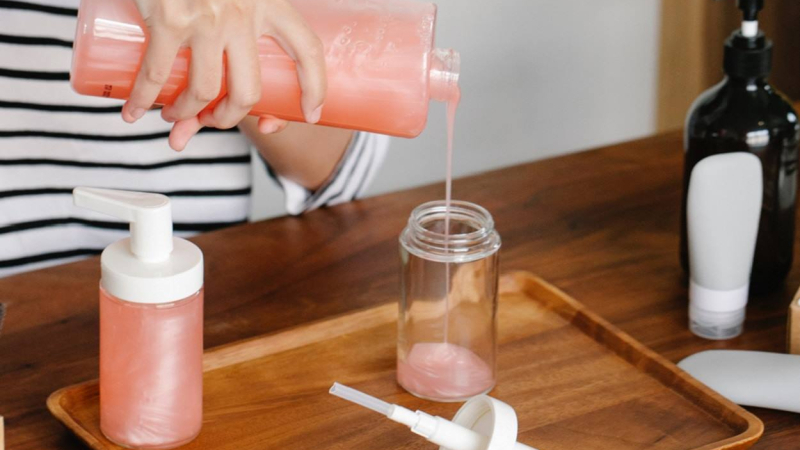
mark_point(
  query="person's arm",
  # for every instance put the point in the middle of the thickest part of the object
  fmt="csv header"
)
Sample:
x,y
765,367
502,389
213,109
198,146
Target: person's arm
x,y
318,166
302,153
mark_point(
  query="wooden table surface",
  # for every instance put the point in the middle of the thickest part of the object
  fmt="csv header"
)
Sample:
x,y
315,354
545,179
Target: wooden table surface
x,y
601,225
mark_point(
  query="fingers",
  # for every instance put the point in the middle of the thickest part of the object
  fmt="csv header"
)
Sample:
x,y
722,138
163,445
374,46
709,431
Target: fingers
x,y
299,41
205,80
182,132
271,124
190,110
243,81
157,62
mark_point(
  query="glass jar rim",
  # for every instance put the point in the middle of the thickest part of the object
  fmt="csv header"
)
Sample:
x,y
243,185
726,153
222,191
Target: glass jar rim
x,y
439,207
438,246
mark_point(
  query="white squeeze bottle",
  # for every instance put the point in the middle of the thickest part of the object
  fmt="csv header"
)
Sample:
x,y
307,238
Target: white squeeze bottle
x,y
151,325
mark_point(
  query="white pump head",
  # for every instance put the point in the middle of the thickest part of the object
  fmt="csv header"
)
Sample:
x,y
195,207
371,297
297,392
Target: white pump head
x,y
150,216
151,266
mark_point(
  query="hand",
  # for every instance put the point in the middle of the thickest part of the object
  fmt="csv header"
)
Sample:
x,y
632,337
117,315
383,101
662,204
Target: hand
x,y
209,28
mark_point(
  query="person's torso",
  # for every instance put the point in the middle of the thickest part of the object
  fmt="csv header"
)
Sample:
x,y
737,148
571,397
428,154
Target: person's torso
x,y
52,140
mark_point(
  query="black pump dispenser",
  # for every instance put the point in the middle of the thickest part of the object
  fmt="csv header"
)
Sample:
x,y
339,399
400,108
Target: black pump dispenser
x,y
748,53
744,113
750,8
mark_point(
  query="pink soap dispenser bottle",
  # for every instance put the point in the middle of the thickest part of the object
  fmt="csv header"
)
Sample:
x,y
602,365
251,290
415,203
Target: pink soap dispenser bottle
x,y
151,325
382,66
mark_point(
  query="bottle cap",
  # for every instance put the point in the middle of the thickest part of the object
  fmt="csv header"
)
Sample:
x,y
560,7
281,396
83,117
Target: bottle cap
x,y
717,314
748,53
151,266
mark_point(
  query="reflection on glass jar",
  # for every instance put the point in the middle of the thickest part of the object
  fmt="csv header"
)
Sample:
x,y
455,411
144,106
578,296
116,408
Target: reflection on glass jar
x,y
447,325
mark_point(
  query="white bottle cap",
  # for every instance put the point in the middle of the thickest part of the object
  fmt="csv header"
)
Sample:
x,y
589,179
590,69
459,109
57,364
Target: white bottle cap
x,y
151,266
717,314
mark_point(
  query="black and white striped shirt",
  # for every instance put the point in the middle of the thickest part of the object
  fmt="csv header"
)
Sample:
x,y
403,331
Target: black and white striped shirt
x,y
52,140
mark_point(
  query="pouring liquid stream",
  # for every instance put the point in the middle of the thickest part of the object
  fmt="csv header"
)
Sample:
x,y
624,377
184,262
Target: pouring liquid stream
x,y
446,370
452,108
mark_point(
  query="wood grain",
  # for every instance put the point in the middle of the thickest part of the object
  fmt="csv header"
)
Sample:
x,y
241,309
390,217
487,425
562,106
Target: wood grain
x,y
793,326
683,54
535,320
779,21
602,225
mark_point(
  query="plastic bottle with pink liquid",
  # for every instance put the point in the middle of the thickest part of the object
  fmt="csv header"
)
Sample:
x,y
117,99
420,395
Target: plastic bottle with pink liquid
x,y
382,66
151,325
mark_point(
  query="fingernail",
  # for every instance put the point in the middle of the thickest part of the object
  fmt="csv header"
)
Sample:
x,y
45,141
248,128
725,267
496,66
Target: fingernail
x,y
314,117
269,128
137,113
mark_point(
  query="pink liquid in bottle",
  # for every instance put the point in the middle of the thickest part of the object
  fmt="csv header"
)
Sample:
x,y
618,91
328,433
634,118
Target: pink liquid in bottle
x,y
382,67
151,371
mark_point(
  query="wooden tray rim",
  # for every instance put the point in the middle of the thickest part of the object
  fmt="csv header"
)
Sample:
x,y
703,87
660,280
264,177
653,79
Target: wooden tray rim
x,y
588,322
669,375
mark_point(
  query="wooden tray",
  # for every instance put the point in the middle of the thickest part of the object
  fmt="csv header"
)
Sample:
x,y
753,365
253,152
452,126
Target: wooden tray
x,y
575,380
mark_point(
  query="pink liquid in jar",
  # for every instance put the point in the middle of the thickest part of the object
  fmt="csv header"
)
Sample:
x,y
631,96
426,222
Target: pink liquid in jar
x,y
382,67
441,371
151,371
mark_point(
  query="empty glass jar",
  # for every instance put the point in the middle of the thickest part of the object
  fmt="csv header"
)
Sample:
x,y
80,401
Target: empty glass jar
x,y
447,328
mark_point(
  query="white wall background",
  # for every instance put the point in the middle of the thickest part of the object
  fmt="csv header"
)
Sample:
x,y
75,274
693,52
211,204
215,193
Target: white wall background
x,y
538,78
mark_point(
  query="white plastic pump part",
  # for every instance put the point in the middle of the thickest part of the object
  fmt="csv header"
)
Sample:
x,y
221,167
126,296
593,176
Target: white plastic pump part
x,y
151,266
491,418
482,423
723,208
749,28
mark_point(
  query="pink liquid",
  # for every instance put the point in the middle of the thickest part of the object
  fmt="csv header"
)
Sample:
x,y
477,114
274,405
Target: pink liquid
x,y
452,108
445,371
441,371
151,371
381,65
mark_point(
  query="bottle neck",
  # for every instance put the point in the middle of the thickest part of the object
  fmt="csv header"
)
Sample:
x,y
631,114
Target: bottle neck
x,y
747,83
471,234
445,65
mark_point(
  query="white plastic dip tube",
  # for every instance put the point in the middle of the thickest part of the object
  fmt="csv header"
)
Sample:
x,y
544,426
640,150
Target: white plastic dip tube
x,y
722,213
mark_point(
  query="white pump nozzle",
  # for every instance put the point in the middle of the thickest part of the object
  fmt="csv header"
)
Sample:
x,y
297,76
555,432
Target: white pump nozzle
x,y
749,28
151,266
483,423
149,215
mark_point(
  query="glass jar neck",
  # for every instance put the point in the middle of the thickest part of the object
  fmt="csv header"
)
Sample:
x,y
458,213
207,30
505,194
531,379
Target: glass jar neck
x,y
445,65
471,232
